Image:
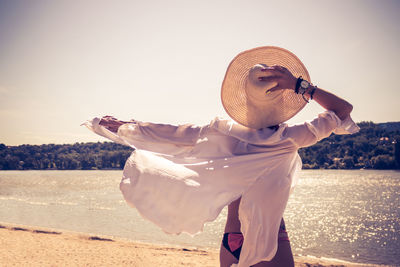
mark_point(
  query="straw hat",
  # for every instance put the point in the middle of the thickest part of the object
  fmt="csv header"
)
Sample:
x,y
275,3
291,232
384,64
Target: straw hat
x,y
244,97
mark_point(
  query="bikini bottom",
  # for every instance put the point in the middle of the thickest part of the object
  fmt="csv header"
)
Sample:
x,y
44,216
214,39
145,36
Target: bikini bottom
x,y
233,241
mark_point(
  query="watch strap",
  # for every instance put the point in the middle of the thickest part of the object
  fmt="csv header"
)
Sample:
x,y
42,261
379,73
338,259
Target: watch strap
x,y
312,92
299,80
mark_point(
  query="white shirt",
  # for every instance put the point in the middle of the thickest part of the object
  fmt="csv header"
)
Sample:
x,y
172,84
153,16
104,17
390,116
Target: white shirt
x,y
180,177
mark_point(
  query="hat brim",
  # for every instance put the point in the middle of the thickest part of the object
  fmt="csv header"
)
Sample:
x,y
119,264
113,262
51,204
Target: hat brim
x,y
279,109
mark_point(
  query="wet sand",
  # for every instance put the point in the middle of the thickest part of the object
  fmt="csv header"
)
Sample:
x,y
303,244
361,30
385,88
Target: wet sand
x,y
36,246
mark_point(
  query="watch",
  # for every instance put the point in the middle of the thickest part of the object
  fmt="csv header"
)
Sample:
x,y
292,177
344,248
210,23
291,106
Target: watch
x,y
303,87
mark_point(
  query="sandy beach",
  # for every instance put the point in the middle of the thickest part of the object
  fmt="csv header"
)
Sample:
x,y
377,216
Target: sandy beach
x,y
35,246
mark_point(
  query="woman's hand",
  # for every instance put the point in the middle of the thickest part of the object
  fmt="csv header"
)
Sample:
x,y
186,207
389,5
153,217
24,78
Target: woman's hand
x,y
281,75
112,123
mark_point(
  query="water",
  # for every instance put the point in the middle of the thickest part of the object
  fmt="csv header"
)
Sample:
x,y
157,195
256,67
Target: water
x,y
349,215
353,215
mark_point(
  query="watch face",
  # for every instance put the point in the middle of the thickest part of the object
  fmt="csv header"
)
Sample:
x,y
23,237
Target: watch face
x,y
304,84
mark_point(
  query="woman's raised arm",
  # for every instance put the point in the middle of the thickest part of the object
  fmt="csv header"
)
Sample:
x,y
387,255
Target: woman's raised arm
x,y
286,80
309,133
331,102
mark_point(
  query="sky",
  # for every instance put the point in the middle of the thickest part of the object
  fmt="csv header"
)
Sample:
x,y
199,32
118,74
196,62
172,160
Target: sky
x,y
63,62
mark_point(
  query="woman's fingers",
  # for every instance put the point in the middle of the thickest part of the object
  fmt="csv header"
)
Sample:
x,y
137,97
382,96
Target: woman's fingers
x,y
268,78
275,68
107,121
279,68
279,74
270,71
111,125
275,88
108,117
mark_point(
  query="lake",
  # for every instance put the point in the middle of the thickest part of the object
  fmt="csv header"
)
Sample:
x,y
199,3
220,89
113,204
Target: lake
x,y
350,215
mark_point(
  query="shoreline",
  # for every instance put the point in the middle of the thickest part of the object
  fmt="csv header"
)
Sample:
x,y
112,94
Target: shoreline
x,y
24,245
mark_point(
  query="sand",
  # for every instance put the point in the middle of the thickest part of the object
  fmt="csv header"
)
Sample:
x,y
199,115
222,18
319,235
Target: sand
x,y
34,246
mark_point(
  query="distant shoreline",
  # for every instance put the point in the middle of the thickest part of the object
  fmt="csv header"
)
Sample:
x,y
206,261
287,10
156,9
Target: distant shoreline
x,y
375,146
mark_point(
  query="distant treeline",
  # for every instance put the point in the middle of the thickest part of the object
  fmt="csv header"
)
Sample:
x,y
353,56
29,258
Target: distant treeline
x,y
79,156
376,146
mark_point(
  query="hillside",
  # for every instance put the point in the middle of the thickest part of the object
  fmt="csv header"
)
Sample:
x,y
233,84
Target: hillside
x,y
376,146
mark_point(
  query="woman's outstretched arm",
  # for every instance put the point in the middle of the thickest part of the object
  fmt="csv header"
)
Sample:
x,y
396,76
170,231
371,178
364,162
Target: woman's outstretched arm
x,y
184,135
156,137
112,124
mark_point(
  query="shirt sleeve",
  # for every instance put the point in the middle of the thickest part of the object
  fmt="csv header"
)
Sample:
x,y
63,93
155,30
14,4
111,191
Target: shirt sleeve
x,y
311,132
146,132
159,138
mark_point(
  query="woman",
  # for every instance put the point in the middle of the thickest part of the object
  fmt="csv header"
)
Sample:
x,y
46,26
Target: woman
x,y
284,256
193,172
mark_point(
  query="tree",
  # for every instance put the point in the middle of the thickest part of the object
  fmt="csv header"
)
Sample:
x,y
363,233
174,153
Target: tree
x,y
397,152
383,162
